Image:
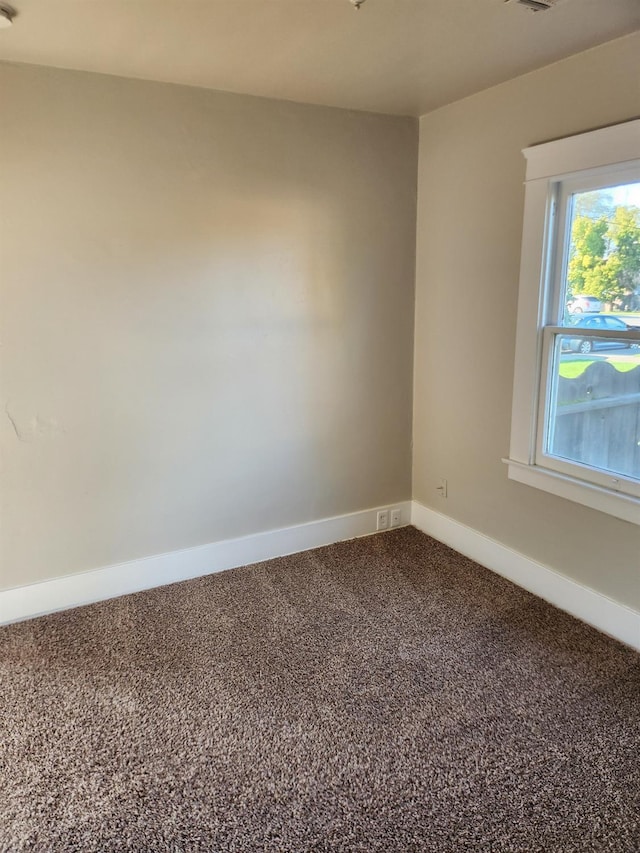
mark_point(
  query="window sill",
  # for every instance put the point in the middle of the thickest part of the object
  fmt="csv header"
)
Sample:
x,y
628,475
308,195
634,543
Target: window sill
x,y
597,497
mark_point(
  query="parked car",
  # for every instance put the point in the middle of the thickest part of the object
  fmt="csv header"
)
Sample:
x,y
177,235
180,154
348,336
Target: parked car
x,y
582,303
599,321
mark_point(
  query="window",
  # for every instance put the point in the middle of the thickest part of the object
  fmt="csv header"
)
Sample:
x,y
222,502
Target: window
x,y
576,403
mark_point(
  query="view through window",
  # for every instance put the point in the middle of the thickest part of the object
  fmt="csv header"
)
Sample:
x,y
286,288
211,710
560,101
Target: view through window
x,y
592,399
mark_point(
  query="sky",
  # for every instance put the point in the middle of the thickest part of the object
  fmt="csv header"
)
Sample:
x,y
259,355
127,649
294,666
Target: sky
x,y
627,194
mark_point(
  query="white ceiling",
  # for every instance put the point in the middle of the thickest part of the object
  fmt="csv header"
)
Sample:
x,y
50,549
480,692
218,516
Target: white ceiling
x,y
392,56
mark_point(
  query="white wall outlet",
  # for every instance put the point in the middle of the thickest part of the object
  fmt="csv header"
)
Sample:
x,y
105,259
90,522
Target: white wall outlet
x,y
383,519
396,518
441,488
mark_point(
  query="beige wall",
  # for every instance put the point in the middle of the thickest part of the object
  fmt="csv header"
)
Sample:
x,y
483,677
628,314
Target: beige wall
x,y
206,316
470,205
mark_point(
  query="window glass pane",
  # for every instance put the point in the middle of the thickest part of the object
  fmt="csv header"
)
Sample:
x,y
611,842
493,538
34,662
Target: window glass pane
x,y
602,272
594,412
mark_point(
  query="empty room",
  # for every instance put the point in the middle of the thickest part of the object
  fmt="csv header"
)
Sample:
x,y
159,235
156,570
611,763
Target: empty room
x,y
320,426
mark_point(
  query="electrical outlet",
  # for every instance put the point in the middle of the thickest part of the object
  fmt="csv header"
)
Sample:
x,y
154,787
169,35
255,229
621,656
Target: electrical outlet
x,y
396,518
383,519
441,489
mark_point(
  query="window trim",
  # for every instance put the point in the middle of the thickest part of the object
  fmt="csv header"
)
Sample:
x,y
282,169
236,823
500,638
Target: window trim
x,y
613,148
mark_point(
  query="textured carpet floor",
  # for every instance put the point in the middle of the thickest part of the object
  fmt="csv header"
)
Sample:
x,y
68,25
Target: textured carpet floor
x,y
384,694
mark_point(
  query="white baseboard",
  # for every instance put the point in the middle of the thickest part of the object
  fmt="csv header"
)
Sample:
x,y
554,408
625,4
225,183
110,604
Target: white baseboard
x,y
63,593
586,604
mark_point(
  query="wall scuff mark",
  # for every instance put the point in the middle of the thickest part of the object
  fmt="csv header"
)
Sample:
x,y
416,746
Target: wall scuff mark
x,y
28,429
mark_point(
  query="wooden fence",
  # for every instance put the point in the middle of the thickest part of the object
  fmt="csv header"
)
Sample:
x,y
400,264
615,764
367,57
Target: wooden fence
x,y
598,419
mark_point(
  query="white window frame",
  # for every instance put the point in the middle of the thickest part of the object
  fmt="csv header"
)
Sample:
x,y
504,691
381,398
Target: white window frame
x,y
554,170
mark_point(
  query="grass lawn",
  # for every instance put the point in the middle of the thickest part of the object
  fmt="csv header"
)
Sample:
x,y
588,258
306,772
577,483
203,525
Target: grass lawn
x,y
575,367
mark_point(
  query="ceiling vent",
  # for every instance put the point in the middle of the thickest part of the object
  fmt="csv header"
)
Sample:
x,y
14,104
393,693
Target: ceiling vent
x,y
535,5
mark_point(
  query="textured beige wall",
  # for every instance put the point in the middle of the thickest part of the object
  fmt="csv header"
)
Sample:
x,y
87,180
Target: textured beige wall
x,y
470,205
206,316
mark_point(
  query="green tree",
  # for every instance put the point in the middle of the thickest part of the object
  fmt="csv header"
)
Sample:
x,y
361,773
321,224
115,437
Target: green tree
x,y
588,247
625,235
604,259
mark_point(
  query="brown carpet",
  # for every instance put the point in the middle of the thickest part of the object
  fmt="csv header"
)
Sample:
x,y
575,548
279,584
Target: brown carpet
x,y
383,694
